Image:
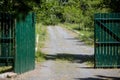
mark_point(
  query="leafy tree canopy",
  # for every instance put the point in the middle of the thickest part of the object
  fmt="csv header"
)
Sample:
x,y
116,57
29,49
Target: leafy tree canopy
x,y
18,6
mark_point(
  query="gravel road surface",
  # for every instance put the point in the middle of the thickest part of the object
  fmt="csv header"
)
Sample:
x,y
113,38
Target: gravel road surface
x,y
63,44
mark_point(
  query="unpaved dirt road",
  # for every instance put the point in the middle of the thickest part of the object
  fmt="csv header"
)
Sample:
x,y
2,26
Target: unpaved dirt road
x,y
63,44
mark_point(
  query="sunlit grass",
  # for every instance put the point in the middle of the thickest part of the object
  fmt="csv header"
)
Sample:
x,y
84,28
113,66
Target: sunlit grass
x,y
87,37
40,56
41,32
5,68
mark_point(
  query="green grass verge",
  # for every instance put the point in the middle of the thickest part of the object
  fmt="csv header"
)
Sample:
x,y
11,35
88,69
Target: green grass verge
x,y
87,37
41,31
39,56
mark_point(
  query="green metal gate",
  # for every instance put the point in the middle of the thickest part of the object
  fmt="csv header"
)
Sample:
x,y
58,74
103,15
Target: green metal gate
x,y
17,42
25,44
7,39
107,40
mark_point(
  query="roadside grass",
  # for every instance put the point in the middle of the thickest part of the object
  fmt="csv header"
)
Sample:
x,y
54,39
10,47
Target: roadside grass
x,y
87,37
41,32
39,56
91,64
5,68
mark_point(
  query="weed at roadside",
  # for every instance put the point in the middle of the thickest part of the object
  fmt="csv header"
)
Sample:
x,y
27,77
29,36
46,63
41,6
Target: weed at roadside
x,y
39,56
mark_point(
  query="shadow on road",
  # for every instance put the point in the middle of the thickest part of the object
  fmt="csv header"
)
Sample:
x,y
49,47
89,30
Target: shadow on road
x,y
99,78
75,58
89,78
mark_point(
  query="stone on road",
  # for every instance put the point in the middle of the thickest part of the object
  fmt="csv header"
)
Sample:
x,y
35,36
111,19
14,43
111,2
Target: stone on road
x,y
62,43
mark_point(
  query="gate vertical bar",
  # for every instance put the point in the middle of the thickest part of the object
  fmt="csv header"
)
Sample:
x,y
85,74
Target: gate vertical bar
x,y
6,39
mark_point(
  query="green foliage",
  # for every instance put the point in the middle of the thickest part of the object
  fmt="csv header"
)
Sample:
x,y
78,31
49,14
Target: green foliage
x,y
112,4
51,12
55,11
71,14
17,7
